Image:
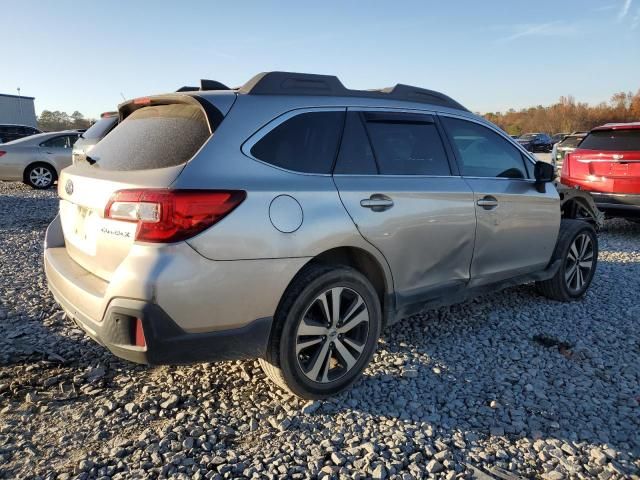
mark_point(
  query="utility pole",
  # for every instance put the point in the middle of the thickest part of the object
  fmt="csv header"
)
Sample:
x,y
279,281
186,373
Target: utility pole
x,y
20,105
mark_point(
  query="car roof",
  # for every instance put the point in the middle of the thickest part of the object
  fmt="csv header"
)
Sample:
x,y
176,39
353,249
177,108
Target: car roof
x,y
16,125
617,126
38,137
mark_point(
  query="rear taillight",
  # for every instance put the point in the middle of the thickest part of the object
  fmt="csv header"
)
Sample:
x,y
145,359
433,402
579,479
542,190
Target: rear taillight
x,y
566,168
165,216
2,152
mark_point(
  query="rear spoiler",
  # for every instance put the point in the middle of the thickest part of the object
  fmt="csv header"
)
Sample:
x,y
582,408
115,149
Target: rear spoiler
x,y
213,114
204,86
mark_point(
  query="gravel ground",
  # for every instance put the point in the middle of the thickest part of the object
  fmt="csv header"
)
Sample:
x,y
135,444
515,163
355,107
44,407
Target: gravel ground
x,y
507,384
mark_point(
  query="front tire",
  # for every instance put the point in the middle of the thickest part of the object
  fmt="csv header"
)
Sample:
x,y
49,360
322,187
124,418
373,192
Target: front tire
x,y
40,176
325,332
577,248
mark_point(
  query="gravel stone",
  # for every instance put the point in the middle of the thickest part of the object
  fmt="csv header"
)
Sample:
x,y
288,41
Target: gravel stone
x,y
455,389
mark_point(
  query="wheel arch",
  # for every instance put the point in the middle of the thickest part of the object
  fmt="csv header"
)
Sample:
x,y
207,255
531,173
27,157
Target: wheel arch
x,y
368,265
40,162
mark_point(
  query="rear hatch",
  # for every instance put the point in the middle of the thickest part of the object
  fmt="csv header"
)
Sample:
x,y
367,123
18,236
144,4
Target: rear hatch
x,y
147,150
611,159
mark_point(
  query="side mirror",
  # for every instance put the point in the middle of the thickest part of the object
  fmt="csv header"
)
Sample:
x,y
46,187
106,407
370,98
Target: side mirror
x,y
544,173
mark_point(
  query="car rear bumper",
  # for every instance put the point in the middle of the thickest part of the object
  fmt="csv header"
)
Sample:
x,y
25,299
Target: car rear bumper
x,y
164,341
191,309
617,202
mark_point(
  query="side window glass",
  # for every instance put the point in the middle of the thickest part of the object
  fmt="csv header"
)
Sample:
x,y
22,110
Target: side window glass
x,y
356,156
305,143
55,142
482,152
409,147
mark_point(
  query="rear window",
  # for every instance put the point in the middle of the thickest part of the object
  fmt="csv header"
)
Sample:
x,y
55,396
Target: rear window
x,y
100,128
621,140
570,142
305,143
153,137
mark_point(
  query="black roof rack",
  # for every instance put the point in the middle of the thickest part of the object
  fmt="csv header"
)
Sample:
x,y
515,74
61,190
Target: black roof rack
x,y
291,83
204,85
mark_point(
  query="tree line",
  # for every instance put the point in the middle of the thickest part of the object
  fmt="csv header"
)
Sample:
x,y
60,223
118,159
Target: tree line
x,y
567,115
49,121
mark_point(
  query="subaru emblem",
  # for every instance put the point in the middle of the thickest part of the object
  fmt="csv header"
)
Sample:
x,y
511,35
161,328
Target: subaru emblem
x,y
68,187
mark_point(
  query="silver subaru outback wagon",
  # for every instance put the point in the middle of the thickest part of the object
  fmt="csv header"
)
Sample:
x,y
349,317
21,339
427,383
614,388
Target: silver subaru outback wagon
x,y
292,219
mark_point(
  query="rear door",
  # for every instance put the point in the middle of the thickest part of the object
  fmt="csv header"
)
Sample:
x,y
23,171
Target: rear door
x,y
147,150
396,182
57,150
517,225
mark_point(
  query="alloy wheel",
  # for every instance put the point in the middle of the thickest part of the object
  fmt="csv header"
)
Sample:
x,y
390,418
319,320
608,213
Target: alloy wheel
x,y
41,177
332,334
580,260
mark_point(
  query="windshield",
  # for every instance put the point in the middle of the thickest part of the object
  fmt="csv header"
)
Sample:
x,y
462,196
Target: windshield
x,y
571,141
153,137
100,128
528,136
616,140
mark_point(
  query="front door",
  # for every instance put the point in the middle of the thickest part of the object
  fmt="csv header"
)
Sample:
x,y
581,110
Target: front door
x,y
394,178
517,225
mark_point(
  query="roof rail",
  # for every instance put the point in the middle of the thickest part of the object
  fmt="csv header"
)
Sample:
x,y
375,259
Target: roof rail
x,y
291,83
204,85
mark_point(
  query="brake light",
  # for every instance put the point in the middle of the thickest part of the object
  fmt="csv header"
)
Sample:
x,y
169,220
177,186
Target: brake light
x,y
165,216
142,101
566,168
2,152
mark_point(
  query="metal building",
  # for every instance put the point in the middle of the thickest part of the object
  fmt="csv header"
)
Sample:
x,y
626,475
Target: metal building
x,y
17,109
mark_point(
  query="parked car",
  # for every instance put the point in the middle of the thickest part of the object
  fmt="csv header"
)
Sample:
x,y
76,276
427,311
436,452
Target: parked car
x,y
292,219
10,132
558,137
108,121
607,164
535,142
37,160
567,145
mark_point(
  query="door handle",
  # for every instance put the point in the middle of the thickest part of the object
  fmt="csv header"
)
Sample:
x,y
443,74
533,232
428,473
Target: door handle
x,y
377,202
488,202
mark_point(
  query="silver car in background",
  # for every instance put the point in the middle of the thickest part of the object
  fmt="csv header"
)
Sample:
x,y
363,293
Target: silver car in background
x,y
38,159
292,219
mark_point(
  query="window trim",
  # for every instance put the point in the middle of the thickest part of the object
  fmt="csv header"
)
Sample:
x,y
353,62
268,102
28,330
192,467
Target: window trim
x,y
263,131
525,154
453,167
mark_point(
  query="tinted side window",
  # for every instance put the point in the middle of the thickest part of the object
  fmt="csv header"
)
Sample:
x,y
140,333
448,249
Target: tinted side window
x,y
482,152
407,147
56,142
305,143
356,156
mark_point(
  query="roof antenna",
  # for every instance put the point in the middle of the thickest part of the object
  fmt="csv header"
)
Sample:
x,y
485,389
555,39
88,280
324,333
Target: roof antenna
x,y
124,99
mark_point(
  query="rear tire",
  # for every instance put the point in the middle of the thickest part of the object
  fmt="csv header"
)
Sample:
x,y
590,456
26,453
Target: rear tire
x,y
325,332
40,176
577,249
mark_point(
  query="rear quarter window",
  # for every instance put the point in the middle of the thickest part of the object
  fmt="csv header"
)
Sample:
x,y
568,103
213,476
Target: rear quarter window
x,y
157,136
306,143
621,140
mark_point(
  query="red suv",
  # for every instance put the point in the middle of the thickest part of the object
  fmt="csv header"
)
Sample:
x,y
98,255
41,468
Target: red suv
x,y
607,164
